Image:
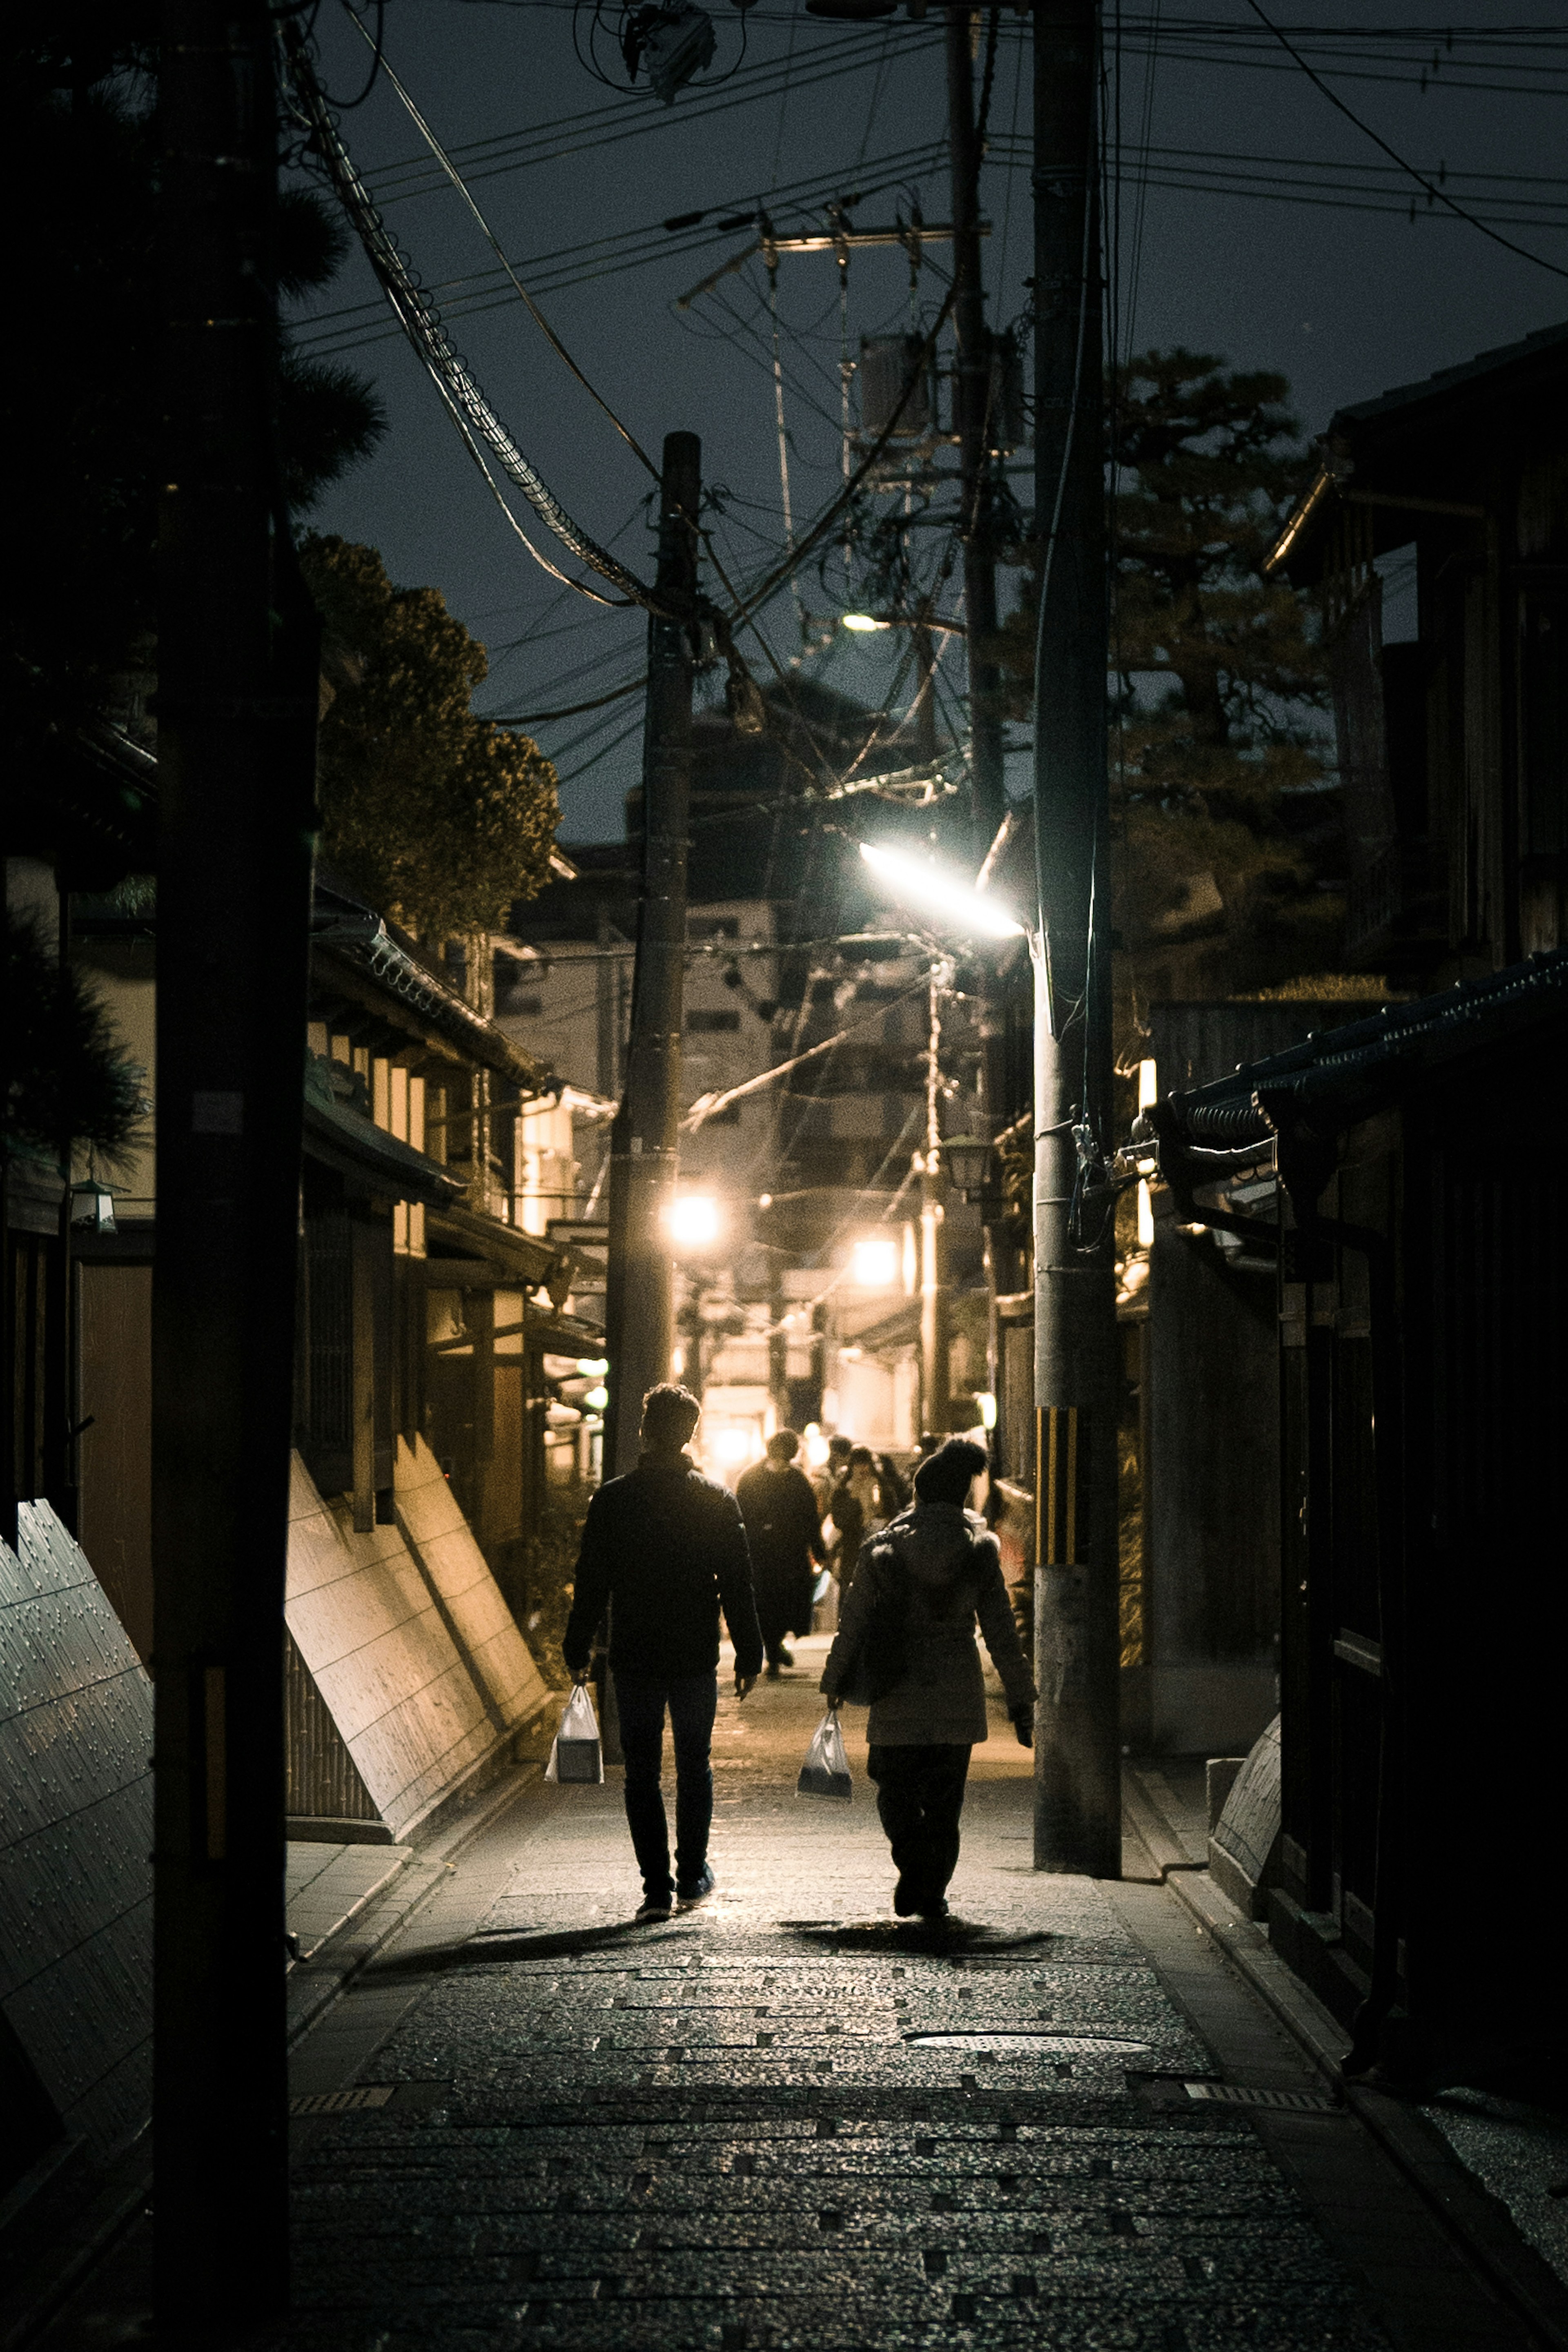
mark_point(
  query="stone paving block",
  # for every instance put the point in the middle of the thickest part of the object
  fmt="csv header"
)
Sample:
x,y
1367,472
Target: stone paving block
x,y
832,2187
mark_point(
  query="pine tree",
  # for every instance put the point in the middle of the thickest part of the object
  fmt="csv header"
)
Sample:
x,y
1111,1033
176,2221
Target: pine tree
x,y
1223,813
442,818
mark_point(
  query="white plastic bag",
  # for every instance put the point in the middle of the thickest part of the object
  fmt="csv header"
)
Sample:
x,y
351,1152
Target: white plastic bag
x,y
576,1754
826,1772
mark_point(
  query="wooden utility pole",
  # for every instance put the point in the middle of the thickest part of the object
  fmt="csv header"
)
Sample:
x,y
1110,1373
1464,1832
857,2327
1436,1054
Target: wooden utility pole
x,y
934,1316
237,665
639,1300
976,430
1078,1806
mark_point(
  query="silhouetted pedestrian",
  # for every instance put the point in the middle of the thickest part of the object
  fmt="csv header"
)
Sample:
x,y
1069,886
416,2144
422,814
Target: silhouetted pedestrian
x,y
783,1529
906,1634
664,1550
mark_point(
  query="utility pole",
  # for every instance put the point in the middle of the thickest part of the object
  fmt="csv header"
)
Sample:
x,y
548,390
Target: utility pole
x,y
639,1306
1077,1805
238,666
972,423
934,1222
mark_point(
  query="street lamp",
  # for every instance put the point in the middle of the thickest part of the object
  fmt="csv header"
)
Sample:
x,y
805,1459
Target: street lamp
x,y
694,1221
921,882
968,1161
874,1263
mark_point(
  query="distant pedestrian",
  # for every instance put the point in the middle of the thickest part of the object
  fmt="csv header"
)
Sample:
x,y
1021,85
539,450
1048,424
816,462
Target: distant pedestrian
x,y
858,1511
907,1630
783,1529
832,1469
894,1488
664,1550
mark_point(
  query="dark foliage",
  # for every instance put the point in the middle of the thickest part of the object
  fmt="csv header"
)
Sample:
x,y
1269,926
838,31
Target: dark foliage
x,y
82,397
67,1080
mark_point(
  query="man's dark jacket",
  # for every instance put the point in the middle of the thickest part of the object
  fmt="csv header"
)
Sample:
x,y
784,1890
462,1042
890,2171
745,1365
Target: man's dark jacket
x,y
664,1550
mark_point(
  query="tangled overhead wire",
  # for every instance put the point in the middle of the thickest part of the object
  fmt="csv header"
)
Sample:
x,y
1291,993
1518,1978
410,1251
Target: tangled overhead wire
x,y
670,42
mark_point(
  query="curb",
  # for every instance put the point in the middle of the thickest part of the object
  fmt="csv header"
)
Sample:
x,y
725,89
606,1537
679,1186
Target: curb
x,y
1479,2222
313,1985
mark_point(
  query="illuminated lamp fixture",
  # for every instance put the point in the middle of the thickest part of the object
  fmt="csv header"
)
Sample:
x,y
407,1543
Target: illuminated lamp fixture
x,y
92,1206
968,1159
874,1263
593,1368
862,624
596,1399
921,882
694,1221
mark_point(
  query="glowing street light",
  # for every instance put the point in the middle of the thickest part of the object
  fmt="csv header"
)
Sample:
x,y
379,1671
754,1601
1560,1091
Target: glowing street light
x,y
923,883
694,1221
874,1263
862,624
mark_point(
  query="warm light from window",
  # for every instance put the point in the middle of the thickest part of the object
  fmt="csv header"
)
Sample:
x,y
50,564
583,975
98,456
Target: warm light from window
x,y
874,1263
1148,1084
732,1444
1146,1208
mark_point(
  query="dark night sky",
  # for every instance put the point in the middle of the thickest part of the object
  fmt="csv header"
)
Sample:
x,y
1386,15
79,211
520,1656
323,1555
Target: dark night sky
x,y
1346,301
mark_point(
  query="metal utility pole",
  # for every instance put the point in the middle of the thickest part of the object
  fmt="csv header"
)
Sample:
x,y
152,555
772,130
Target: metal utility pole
x,y
639,1301
1078,1807
237,666
933,1223
974,427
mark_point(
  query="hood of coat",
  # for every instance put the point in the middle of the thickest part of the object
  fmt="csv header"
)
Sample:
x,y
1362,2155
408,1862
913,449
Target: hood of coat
x,y
935,1542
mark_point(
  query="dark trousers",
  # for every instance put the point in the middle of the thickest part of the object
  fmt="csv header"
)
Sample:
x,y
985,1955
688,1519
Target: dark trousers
x,y
692,1701
919,1796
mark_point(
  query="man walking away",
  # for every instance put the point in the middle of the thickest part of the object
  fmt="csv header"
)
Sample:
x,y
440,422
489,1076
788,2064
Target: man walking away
x,y
664,1550
907,1629
783,1529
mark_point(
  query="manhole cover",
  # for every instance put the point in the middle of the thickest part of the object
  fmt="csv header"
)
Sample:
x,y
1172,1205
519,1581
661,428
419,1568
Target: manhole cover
x,y
1076,2044
1232,2095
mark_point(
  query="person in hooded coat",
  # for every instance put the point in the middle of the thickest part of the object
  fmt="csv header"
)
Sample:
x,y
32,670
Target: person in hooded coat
x,y
784,1529
908,1626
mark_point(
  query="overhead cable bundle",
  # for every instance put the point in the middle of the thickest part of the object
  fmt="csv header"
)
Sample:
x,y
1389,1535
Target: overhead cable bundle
x,y
421,321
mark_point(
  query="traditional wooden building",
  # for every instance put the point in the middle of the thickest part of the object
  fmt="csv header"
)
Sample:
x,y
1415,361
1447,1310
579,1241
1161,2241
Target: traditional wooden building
x,y
1407,1175
1452,742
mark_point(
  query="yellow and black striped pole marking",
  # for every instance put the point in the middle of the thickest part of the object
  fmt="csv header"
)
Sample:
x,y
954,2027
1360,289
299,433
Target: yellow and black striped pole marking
x,y
1061,1485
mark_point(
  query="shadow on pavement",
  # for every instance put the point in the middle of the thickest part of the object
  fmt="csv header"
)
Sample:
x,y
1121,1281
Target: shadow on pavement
x,y
912,1935
482,1951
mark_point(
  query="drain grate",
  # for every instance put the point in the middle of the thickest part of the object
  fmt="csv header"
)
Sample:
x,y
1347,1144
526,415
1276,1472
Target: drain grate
x,y
1079,2045
338,2103
1233,2095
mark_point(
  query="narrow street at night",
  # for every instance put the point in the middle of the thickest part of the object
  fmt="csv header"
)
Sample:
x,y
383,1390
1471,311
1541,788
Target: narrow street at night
x,y
783,1178
785,2120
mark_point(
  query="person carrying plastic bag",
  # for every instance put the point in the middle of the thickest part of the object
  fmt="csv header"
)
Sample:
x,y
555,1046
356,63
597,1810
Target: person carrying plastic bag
x,y
826,1772
664,1550
575,1754
906,1640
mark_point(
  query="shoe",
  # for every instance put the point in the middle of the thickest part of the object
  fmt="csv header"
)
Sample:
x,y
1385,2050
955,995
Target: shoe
x,y
904,1901
686,1898
934,1908
786,1658
773,1673
653,1906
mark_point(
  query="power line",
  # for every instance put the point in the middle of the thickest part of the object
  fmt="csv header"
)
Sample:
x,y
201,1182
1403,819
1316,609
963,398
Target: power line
x,y
1435,192
417,315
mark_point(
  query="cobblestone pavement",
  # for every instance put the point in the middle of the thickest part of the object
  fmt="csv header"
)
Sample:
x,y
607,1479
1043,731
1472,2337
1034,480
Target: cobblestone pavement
x,y
784,2120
